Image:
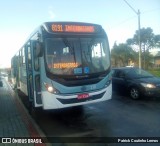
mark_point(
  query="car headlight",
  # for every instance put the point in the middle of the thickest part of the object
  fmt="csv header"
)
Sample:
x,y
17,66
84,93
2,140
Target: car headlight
x,y
51,89
147,85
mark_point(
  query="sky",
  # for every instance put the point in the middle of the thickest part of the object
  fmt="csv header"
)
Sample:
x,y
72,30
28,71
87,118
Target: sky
x,y
19,18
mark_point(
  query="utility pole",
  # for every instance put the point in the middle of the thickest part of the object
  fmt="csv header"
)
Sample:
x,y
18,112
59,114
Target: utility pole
x,y
139,34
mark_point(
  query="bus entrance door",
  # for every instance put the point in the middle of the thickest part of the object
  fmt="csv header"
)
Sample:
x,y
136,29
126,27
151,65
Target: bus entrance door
x,y
33,76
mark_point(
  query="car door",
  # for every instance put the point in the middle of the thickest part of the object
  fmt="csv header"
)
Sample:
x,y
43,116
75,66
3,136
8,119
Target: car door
x,y
118,80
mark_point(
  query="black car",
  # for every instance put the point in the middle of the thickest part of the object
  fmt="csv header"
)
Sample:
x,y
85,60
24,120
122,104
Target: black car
x,y
136,82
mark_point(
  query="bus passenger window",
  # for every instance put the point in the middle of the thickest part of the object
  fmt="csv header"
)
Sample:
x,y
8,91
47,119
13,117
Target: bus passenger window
x,y
36,64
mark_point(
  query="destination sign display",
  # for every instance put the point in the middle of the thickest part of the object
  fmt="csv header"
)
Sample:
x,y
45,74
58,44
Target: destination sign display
x,y
73,28
65,65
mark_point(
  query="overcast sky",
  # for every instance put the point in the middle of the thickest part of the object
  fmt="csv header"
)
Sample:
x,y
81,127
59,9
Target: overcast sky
x,y
19,18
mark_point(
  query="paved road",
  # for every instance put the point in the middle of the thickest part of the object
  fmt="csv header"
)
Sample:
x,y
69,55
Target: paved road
x,y
119,117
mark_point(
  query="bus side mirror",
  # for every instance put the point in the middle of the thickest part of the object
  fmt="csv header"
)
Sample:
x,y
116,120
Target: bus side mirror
x,y
38,49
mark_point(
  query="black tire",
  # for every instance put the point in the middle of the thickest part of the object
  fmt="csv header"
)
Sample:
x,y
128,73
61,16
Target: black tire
x,y
30,108
34,111
134,93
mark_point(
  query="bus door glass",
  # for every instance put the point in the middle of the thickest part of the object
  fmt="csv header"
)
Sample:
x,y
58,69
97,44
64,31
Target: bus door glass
x,y
37,82
29,73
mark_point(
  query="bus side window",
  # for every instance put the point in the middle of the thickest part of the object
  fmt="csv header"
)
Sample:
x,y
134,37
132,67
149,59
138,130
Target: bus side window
x,y
29,58
37,53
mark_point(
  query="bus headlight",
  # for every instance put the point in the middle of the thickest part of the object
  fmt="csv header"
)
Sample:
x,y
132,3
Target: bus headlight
x,y
51,89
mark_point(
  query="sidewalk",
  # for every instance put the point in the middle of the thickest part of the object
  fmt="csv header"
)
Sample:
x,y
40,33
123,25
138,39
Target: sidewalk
x,y
15,122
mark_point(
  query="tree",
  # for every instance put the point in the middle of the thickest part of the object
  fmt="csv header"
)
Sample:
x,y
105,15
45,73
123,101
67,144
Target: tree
x,y
148,41
147,38
157,41
121,54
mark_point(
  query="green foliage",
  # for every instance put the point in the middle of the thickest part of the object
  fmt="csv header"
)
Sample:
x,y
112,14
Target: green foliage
x,y
155,72
157,41
121,54
148,40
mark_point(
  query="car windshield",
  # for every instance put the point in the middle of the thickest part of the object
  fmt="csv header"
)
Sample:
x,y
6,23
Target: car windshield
x,y
137,73
77,56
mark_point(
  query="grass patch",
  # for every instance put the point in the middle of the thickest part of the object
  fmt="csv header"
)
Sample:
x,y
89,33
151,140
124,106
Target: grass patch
x,y
155,72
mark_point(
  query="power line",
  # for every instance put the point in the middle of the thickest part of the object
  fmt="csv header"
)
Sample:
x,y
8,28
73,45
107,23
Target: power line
x,y
130,7
122,22
149,11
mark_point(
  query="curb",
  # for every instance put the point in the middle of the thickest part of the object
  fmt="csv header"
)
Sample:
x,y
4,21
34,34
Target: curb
x,y
33,129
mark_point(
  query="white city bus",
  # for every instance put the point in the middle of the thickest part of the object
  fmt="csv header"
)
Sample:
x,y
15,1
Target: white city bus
x,y
64,64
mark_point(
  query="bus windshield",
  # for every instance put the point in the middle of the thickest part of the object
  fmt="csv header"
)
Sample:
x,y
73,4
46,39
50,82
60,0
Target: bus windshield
x,y
77,56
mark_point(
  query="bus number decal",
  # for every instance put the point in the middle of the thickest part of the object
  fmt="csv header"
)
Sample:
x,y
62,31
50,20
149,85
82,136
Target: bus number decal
x,y
78,70
58,28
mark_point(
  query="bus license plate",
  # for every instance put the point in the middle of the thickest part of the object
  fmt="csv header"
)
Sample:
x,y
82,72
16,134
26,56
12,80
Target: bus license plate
x,y
83,96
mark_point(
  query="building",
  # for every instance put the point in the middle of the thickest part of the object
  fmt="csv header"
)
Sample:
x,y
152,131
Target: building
x,y
156,58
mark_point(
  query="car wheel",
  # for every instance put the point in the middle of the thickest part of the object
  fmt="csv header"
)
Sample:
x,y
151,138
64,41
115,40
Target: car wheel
x,y
134,93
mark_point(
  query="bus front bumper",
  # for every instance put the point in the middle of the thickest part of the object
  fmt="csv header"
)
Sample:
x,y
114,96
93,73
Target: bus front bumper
x,y
54,101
